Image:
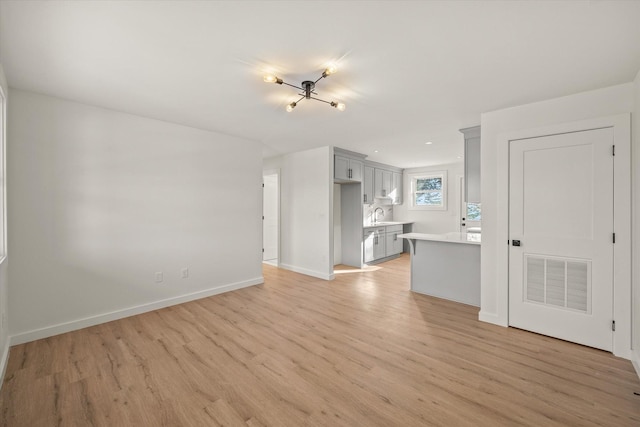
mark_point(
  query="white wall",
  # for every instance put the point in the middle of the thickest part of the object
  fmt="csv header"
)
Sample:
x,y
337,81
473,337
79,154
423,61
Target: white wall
x,y
271,163
4,285
337,225
100,200
433,222
588,105
635,151
307,212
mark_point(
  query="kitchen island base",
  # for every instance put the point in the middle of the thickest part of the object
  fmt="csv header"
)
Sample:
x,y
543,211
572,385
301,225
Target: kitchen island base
x,y
445,267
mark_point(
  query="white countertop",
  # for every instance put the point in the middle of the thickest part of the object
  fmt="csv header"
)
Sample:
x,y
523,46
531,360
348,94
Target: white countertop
x,y
467,238
385,223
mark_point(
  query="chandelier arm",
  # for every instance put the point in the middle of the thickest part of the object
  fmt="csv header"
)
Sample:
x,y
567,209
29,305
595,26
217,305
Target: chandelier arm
x,y
320,78
297,87
321,100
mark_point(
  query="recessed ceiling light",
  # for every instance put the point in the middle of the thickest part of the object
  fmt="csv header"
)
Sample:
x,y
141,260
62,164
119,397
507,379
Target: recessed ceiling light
x,y
375,151
428,142
459,157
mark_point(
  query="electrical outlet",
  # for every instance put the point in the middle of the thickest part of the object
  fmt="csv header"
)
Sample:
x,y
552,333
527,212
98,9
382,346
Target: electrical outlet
x,y
159,277
185,273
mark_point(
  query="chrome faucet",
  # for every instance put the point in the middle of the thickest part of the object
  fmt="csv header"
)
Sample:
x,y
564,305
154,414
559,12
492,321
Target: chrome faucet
x,y
375,214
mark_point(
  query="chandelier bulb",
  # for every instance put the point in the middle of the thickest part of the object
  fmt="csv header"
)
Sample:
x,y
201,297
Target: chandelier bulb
x,y
339,105
331,69
290,107
270,78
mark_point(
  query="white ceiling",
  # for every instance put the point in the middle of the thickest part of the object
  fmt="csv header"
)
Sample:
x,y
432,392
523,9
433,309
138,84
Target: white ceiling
x,y
409,72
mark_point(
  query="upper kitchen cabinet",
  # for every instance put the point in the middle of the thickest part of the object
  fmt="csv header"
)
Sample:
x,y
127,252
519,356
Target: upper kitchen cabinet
x,y
367,183
396,187
471,164
387,184
348,166
382,182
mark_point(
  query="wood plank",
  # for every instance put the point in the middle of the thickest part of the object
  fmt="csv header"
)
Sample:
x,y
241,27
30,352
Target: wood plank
x,y
359,350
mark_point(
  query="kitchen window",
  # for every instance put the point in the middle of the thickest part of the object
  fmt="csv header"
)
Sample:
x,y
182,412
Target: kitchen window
x,y
429,190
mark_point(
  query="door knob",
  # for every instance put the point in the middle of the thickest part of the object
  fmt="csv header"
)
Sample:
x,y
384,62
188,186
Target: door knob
x,y
515,242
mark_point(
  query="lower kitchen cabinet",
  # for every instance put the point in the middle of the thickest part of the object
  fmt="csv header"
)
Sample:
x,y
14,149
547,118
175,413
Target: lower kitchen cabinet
x,y
382,242
374,244
393,244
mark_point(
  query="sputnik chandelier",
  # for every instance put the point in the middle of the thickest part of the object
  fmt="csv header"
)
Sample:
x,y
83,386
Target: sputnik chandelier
x,y
307,87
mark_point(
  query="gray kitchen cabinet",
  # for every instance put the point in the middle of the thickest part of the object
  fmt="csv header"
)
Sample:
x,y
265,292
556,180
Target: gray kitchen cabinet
x,y
382,242
388,184
396,188
471,164
347,169
374,244
341,168
393,244
367,184
356,167
382,182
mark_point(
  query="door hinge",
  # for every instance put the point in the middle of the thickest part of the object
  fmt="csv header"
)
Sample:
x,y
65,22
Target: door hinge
x,y
262,250
614,237
613,325
263,185
263,217
613,150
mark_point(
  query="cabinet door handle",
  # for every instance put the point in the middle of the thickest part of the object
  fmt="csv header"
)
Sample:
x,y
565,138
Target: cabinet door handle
x,y
395,237
350,173
384,193
365,198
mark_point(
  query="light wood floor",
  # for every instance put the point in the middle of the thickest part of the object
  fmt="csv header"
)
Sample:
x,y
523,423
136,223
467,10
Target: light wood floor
x,y
358,351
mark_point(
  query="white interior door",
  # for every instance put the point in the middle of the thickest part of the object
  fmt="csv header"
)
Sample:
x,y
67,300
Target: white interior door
x,y
470,219
561,215
270,224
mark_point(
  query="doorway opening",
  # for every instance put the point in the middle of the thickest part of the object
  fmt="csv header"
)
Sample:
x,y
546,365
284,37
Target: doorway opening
x,y
271,218
470,213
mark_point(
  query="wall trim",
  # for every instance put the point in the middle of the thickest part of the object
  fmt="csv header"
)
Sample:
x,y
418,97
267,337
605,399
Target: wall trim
x,y
493,318
635,361
308,272
73,325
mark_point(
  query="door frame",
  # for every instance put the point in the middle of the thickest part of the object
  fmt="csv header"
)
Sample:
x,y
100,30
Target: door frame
x,y
622,295
275,172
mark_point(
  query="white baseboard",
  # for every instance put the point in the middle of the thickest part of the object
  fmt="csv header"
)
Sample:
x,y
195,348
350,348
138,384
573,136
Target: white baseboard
x,y
307,272
635,360
458,300
73,325
483,316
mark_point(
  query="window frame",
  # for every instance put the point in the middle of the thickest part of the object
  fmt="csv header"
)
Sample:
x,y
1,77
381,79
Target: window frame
x,y
414,177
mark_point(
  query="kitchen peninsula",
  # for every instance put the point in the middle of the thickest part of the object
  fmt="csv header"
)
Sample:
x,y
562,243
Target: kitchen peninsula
x,y
446,265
